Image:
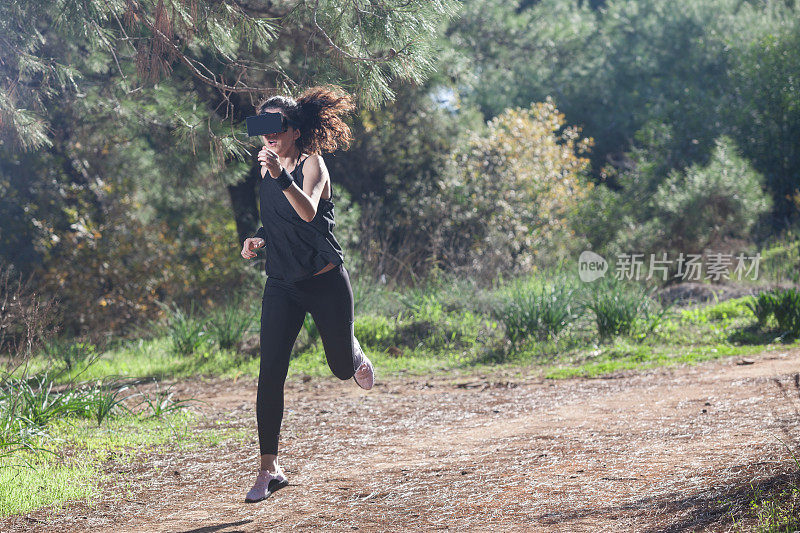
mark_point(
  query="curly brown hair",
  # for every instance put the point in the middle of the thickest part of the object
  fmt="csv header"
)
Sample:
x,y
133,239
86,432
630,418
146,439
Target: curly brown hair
x,y
318,111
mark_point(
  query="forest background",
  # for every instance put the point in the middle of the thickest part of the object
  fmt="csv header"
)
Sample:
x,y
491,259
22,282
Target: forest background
x,y
492,138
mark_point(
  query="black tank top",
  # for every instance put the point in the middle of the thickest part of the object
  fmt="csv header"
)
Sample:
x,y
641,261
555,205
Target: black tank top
x,y
296,249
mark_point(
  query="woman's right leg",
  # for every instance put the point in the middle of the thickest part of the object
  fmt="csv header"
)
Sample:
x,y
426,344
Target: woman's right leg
x,y
281,320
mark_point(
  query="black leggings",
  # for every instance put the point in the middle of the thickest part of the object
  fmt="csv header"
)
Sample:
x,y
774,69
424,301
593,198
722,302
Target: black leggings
x,y
329,299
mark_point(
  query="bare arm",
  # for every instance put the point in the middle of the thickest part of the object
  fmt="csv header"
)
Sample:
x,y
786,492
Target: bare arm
x,y
306,200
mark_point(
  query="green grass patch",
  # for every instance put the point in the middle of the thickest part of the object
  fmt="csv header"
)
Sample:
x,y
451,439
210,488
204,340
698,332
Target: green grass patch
x,y
28,481
430,339
154,358
124,433
722,311
421,338
777,514
71,467
624,356
450,325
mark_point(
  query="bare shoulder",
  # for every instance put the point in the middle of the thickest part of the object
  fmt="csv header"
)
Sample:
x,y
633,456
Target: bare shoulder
x,y
315,162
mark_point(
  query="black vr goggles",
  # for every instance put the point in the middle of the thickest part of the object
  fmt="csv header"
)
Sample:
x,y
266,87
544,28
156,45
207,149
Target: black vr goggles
x,y
266,123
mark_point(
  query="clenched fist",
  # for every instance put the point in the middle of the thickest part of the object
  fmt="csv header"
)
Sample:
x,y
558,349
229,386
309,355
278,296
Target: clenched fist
x,y
250,245
269,163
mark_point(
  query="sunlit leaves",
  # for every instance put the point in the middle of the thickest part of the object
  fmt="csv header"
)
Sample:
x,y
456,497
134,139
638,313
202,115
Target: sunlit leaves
x,y
509,189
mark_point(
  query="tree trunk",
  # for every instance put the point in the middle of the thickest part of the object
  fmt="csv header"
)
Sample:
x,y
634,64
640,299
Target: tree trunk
x,y
243,201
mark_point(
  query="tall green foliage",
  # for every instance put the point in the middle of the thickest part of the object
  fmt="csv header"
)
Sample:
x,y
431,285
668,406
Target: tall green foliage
x,y
121,128
221,46
764,106
399,154
689,211
666,77
707,203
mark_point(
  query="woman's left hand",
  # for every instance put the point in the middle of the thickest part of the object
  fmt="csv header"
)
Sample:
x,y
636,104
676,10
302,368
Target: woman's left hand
x,y
269,163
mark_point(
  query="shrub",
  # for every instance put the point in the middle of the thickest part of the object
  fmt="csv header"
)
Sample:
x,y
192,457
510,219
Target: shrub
x,y
732,308
787,311
424,306
103,401
537,309
508,191
783,304
226,326
185,330
160,402
780,257
763,306
375,330
30,404
70,353
622,309
695,209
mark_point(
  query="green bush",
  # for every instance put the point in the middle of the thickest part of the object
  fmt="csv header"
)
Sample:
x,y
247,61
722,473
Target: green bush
x,y
447,331
534,309
763,103
104,400
427,307
723,198
763,306
787,311
732,308
70,353
690,210
161,403
783,304
185,330
28,405
622,309
375,331
226,326
780,257
518,220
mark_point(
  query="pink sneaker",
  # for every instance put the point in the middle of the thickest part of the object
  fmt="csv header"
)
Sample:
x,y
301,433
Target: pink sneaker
x,y
266,484
365,375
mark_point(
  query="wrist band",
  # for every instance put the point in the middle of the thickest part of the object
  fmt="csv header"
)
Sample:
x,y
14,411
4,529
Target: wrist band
x,y
284,180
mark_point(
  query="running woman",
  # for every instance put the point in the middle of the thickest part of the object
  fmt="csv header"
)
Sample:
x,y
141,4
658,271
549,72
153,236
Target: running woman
x,y
305,270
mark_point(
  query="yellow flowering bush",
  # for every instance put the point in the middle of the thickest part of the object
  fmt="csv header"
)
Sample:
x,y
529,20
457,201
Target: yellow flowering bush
x,y
110,277
505,201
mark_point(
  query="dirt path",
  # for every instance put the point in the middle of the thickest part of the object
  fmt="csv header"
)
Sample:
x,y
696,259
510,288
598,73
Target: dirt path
x,y
655,451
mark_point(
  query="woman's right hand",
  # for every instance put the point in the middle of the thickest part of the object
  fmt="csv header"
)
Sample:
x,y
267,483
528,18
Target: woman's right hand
x,y
250,245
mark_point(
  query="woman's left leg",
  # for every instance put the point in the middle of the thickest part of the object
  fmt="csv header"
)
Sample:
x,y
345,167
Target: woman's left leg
x,y
329,299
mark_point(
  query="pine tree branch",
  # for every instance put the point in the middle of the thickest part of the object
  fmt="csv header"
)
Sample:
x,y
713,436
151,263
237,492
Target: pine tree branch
x,y
110,48
382,59
191,64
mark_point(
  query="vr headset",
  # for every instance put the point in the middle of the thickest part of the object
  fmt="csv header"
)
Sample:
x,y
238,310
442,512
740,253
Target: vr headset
x,y
266,123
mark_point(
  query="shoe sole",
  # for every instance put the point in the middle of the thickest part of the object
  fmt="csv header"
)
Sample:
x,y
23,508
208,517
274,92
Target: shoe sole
x,y
274,486
363,387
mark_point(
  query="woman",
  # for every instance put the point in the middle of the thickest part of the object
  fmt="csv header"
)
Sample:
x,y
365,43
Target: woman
x,y
305,270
